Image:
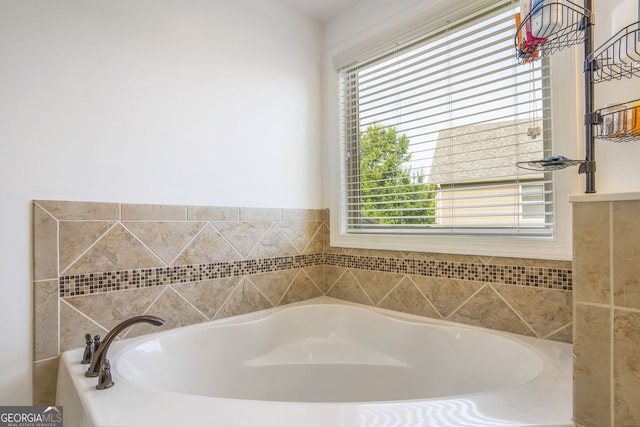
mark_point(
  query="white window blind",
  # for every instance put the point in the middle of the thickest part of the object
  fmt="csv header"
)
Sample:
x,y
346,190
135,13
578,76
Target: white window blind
x,y
431,134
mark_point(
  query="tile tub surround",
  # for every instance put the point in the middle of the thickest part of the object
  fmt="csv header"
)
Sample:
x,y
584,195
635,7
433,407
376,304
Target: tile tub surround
x,y
96,264
528,297
607,310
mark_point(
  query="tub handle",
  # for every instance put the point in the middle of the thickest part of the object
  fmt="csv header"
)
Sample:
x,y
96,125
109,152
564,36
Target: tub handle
x,y
89,350
104,379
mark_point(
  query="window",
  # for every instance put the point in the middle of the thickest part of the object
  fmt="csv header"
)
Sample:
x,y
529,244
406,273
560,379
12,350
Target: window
x,y
532,206
431,133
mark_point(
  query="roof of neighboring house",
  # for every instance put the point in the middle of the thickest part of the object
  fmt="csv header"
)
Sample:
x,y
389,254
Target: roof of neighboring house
x,y
485,152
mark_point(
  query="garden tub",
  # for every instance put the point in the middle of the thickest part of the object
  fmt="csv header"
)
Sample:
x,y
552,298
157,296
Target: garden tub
x,y
328,363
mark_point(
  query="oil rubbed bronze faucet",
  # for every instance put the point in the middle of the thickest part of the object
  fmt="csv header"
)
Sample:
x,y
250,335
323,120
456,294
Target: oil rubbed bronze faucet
x,y
100,366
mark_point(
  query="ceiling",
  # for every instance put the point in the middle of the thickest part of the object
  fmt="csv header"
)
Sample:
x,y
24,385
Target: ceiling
x,y
320,10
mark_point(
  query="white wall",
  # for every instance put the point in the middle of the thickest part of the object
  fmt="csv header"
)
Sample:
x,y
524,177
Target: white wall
x,y
618,164
212,102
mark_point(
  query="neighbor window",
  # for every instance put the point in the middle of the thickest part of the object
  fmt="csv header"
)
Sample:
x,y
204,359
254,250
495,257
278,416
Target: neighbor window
x,y
431,133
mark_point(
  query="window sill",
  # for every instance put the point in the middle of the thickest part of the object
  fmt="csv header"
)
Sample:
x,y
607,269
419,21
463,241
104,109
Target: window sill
x,y
556,248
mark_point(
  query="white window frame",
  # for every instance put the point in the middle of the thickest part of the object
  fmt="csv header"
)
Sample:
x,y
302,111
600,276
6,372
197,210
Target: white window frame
x,y
566,115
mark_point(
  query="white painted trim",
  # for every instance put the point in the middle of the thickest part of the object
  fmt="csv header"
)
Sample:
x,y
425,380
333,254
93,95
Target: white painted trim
x,y
567,116
604,197
408,26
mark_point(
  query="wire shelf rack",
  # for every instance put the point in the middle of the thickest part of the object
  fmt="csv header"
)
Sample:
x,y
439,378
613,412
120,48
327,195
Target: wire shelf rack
x,y
618,57
550,28
619,122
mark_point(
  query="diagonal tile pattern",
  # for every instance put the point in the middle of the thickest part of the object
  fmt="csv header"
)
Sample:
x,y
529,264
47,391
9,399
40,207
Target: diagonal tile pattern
x,y
117,250
331,275
406,297
190,264
302,288
544,313
446,295
564,334
245,298
110,308
348,288
173,308
273,244
274,285
166,239
209,246
376,284
73,327
77,236
300,234
243,236
316,274
487,309
208,296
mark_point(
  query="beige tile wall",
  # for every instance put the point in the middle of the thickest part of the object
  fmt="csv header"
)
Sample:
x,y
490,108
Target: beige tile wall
x,y
95,264
524,296
607,314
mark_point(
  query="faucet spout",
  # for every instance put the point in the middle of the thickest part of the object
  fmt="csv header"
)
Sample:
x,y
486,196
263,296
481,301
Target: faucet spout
x,y
101,354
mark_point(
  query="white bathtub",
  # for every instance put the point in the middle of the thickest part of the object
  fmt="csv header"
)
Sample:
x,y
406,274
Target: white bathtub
x,y
324,363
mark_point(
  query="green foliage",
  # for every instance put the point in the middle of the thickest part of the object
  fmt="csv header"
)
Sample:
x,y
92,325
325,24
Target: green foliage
x,y
389,190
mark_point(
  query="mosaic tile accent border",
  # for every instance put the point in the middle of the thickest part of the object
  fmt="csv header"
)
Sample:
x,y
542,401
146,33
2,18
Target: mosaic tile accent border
x,y
94,283
539,277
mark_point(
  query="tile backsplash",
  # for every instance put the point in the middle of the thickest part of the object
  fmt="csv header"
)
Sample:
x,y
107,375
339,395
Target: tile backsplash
x,y
96,264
